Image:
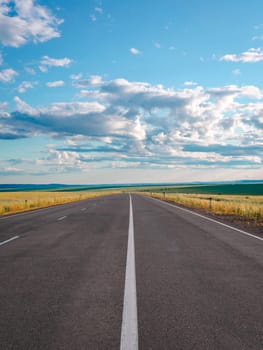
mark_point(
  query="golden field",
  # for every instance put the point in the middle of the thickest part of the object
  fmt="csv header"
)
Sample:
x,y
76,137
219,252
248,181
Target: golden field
x,y
12,202
248,207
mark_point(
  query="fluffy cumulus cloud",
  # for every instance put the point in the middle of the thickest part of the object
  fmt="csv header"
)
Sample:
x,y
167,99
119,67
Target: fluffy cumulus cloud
x,y
61,161
22,21
25,85
3,109
135,124
47,62
7,75
250,56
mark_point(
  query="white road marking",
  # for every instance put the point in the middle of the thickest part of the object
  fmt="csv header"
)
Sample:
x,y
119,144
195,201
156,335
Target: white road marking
x,y
9,240
83,209
28,212
62,217
129,327
209,219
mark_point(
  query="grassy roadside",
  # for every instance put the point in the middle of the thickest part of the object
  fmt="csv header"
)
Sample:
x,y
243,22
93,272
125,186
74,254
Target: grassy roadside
x,y
14,202
249,208
246,207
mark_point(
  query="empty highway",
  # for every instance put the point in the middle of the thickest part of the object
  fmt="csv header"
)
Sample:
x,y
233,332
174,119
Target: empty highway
x,y
128,272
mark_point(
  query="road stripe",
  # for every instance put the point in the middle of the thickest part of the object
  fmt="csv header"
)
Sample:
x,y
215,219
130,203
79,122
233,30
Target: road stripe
x,y
62,217
9,240
129,328
83,209
25,213
209,219
33,211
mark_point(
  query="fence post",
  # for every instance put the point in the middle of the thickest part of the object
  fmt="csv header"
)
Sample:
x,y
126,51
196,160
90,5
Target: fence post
x,y
210,202
163,194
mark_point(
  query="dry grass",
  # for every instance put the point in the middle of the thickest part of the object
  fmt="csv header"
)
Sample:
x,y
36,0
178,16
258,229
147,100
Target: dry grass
x,y
12,202
248,207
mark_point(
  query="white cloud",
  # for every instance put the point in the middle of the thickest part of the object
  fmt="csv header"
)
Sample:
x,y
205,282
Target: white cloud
x,y
190,83
30,70
3,106
23,107
47,62
250,56
61,158
7,75
22,21
55,83
157,45
251,91
150,125
43,69
236,72
135,51
3,111
93,80
25,85
76,76
70,109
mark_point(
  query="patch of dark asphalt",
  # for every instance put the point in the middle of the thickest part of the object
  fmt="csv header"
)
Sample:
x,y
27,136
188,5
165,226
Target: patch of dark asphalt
x,y
240,222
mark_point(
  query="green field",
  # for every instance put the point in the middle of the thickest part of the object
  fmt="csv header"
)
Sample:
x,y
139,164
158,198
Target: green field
x,y
229,189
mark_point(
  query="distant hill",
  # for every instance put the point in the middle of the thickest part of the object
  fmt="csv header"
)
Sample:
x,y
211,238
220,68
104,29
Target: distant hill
x,y
88,187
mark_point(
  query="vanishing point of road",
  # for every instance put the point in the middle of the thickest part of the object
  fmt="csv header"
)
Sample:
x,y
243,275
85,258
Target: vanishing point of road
x,y
128,272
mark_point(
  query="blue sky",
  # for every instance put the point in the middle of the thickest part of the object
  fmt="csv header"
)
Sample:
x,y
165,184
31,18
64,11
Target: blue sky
x,y
130,91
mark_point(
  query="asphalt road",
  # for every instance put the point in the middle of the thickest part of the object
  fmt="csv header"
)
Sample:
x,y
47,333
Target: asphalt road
x,y
109,274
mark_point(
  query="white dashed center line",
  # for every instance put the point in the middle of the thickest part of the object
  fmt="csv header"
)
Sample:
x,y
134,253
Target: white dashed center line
x,y
62,218
8,240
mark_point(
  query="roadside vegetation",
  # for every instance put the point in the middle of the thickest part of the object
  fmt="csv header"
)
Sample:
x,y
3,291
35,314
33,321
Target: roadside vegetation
x,y
13,202
243,201
248,207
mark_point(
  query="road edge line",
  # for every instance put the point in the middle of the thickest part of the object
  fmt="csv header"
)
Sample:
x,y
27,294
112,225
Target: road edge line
x,y
207,218
129,327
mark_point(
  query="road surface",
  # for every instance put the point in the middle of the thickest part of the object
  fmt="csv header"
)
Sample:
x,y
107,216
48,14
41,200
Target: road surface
x,y
128,272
